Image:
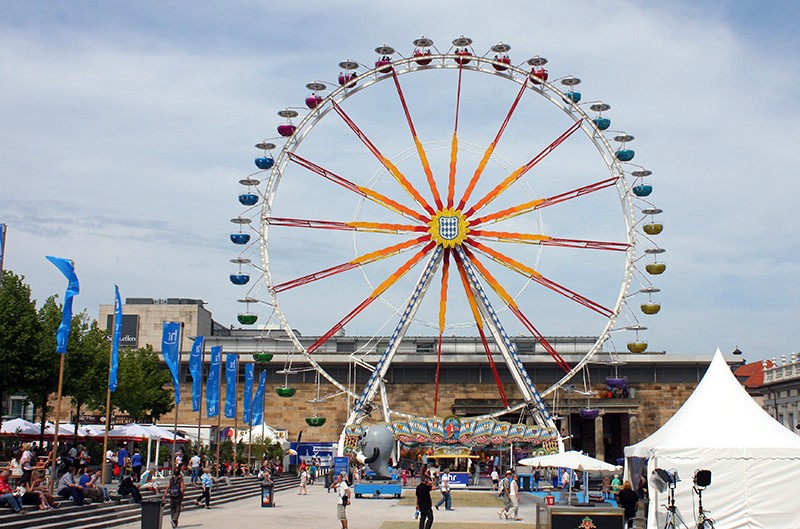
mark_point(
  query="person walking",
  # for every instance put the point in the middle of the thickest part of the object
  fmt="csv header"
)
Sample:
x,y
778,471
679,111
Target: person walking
x,y
424,503
343,498
303,482
628,499
513,496
206,481
504,486
175,491
194,464
495,479
444,487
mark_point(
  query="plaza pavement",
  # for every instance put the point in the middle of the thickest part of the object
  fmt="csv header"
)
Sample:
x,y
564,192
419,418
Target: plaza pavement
x,y
317,510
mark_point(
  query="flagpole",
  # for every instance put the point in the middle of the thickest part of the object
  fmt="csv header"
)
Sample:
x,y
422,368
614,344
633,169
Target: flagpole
x,y
105,433
235,432
219,440
53,468
175,425
249,447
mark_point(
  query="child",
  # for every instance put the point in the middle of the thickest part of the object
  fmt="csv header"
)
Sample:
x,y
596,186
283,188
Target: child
x,y
206,481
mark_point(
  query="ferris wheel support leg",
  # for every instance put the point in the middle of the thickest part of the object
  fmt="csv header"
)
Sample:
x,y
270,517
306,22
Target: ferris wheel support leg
x,y
533,399
374,383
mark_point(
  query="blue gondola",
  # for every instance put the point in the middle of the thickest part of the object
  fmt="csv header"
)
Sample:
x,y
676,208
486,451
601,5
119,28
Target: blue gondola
x,y
625,155
240,279
240,238
248,199
642,190
575,97
602,123
264,162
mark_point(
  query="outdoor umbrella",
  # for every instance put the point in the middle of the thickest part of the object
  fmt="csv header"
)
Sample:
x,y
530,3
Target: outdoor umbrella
x,y
19,428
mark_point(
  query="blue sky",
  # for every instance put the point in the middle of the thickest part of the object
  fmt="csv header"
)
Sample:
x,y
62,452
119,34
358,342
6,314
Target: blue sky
x,y
126,127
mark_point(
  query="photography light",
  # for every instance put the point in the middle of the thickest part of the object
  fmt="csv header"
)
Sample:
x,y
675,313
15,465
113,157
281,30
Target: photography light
x,y
662,479
702,478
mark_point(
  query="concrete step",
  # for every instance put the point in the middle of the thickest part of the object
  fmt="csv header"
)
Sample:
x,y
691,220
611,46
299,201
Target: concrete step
x,y
110,514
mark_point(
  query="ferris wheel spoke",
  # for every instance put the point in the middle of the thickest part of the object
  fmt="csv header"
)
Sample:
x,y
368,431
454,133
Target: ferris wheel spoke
x,y
546,240
358,261
380,289
451,179
490,149
423,158
537,277
541,203
359,190
476,314
395,172
375,227
519,173
512,305
442,318
412,305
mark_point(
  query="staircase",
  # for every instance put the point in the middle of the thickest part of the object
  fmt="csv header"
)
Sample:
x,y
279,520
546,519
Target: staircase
x,y
110,514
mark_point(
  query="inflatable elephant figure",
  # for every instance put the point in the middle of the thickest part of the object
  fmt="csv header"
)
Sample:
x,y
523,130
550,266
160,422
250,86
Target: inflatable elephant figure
x,y
377,445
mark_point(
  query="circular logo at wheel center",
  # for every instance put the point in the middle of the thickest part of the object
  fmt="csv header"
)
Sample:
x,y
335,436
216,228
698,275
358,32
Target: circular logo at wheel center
x,y
448,227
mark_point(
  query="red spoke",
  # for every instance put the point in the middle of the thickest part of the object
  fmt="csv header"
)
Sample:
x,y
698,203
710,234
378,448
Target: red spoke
x,y
539,278
388,282
516,311
401,179
360,190
358,261
546,240
540,203
379,227
479,323
517,174
489,150
422,156
442,314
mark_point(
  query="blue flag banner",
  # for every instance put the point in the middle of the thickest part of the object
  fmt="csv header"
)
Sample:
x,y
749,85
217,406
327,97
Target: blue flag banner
x,y
248,392
196,369
212,386
257,409
170,349
231,374
67,268
112,370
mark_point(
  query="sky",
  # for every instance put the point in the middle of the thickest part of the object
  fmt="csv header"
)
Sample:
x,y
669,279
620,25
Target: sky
x,y
126,127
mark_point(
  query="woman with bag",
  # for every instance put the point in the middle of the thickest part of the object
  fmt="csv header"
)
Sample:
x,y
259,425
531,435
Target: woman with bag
x,y
175,491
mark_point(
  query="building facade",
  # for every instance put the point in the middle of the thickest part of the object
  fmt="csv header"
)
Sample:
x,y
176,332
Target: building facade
x,y
781,390
648,388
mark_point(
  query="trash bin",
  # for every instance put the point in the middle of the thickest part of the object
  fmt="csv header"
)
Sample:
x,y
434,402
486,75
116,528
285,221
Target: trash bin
x,y
152,513
267,495
109,473
525,482
550,500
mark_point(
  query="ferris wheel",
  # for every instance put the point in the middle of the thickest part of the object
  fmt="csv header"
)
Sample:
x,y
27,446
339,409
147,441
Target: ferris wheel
x,y
441,192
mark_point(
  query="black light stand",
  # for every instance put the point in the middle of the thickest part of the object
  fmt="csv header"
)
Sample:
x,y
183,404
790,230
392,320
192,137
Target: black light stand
x,y
702,479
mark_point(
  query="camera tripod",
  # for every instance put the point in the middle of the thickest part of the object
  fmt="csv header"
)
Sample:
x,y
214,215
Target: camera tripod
x,y
673,518
703,522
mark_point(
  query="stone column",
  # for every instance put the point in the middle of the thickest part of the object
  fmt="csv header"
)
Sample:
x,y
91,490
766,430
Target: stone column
x,y
633,428
599,444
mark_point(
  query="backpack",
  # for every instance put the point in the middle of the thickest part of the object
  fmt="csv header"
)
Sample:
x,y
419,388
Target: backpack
x,y
174,490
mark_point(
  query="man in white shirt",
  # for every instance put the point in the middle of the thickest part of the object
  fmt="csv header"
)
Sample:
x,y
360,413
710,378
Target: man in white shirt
x,y
194,463
495,478
343,495
444,487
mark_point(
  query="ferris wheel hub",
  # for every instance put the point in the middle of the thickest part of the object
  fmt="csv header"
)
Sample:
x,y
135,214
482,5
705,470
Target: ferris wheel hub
x,y
449,227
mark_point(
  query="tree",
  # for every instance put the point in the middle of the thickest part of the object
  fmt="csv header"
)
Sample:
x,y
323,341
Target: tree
x,y
141,382
86,364
19,336
41,377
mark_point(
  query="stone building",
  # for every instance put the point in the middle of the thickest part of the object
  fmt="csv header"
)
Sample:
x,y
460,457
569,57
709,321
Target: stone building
x,y
781,390
654,385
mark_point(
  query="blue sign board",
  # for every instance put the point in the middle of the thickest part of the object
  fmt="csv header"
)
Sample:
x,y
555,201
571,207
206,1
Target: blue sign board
x,y
341,464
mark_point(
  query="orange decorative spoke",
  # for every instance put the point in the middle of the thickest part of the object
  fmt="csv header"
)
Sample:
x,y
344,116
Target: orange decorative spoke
x,y
395,172
546,240
358,261
529,272
517,174
423,158
489,150
540,203
388,282
360,190
380,227
442,314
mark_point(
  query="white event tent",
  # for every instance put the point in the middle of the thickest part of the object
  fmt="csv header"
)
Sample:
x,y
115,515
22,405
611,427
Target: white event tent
x,y
753,459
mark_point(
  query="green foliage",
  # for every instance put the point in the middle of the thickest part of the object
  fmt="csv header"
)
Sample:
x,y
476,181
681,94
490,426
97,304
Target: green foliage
x,y
86,363
19,336
262,446
142,385
41,377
